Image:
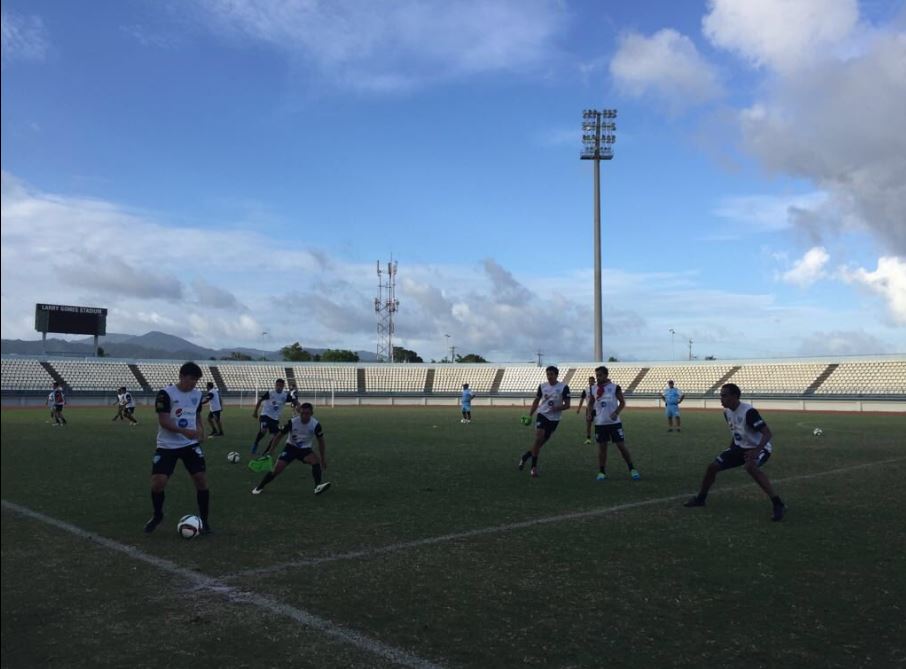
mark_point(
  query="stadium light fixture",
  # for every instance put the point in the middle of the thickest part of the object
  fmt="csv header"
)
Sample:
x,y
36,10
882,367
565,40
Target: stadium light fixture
x,y
598,138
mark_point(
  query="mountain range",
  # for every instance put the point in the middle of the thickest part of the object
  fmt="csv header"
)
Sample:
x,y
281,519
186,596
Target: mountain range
x,y
152,345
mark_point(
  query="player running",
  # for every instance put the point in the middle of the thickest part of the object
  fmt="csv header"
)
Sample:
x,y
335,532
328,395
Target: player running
x,y
303,429
271,405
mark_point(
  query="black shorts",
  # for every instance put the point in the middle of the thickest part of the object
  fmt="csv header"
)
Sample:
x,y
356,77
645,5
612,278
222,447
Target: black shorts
x,y
164,461
544,423
128,411
291,453
58,407
266,423
735,457
613,432
216,414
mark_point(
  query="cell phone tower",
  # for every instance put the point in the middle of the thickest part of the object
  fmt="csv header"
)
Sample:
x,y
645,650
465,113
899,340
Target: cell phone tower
x,y
385,305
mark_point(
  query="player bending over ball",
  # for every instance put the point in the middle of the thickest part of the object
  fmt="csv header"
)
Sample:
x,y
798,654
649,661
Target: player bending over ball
x,y
303,429
750,447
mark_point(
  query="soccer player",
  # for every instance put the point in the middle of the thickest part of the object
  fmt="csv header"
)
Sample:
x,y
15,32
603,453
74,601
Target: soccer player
x,y
59,401
119,404
607,398
179,435
551,399
303,429
271,404
128,406
293,393
50,408
466,403
672,397
588,393
215,407
750,446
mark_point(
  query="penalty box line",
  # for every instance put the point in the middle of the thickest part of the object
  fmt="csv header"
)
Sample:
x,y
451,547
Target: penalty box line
x,y
545,520
235,595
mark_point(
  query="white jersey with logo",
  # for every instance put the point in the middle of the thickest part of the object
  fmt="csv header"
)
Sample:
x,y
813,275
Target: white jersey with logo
x,y
744,422
214,399
273,402
183,409
126,400
121,399
302,435
604,397
551,396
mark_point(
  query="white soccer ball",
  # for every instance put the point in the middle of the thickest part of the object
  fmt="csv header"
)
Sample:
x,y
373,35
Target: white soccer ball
x,y
189,527
233,457
817,432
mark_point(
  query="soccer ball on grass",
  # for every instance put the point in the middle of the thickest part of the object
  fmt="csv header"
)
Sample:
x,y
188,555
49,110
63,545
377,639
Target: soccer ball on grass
x,y
233,457
189,527
818,432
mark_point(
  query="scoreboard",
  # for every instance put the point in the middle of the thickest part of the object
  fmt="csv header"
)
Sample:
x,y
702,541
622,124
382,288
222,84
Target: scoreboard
x,y
70,320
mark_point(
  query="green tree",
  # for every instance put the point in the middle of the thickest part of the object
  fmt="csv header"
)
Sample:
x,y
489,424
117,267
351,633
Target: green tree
x,y
339,355
612,359
237,355
401,354
295,353
101,353
471,357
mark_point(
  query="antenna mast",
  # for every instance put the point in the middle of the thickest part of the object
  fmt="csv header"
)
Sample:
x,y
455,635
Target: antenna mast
x,y
385,305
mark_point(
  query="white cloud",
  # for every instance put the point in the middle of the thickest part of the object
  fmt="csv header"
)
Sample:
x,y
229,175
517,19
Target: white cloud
x,y
23,37
395,44
765,213
667,66
888,281
809,268
842,342
780,34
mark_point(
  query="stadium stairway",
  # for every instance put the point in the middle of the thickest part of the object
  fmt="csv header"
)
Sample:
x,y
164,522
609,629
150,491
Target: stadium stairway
x,y
56,376
822,377
290,376
429,381
722,380
218,379
142,381
361,387
637,380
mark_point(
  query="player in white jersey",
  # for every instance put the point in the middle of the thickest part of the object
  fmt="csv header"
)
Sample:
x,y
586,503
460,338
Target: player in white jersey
x,y
119,404
608,403
465,402
179,435
127,406
551,399
50,398
215,407
750,446
303,430
589,417
271,404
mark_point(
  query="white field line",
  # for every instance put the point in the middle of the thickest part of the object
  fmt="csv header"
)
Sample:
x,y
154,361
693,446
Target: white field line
x,y
544,520
235,595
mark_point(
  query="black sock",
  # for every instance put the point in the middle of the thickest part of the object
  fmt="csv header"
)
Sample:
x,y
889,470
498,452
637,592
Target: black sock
x,y
316,473
526,456
630,465
258,438
702,496
602,471
267,479
203,497
157,499
777,501
534,461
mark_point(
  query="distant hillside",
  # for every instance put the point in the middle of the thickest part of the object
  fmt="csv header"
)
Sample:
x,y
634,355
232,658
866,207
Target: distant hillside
x,y
151,345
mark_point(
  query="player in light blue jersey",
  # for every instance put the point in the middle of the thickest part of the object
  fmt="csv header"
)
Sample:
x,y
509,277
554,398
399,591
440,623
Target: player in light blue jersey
x,y
672,397
466,403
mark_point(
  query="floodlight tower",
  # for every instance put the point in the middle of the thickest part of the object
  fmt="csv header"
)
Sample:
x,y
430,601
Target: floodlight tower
x,y
598,128
385,305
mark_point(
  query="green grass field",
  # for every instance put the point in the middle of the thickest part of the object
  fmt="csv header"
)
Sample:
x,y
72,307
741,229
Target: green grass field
x,y
423,546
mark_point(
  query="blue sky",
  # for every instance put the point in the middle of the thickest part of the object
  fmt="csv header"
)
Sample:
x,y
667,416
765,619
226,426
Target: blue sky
x,y
220,170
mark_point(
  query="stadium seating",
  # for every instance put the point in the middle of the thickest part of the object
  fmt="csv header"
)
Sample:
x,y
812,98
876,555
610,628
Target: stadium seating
x,y
691,379
24,374
396,378
449,378
866,378
96,375
317,378
522,379
246,377
619,374
162,374
782,378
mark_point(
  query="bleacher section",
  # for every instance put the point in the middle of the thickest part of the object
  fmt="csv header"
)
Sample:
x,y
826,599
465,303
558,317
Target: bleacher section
x,y
96,376
320,379
251,377
620,375
523,379
776,379
866,378
24,375
162,374
694,379
396,379
448,379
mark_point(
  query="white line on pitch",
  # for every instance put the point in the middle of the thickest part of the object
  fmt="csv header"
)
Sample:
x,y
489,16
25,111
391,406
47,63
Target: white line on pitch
x,y
218,587
484,531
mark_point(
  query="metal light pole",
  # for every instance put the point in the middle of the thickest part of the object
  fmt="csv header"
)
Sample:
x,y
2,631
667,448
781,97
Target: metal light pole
x,y
672,344
448,345
598,137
